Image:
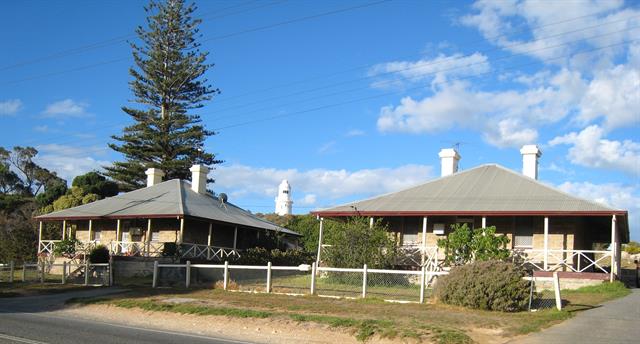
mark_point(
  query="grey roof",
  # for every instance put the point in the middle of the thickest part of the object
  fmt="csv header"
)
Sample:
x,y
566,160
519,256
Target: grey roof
x,y
167,199
487,188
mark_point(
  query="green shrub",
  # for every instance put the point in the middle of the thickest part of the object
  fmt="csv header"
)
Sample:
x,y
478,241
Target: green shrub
x,y
464,245
170,249
632,247
66,247
99,255
261,256
489,285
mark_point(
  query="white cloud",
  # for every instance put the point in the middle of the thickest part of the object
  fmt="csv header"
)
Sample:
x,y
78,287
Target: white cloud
x,y
355,132
589,148
614,195
613,94
327,147
41,128
505,118
70,161
329,185
557,28
439,69
65,108
307,200
10,107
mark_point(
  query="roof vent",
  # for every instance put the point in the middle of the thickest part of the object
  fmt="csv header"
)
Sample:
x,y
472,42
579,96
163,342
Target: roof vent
x,y
154,176
530,155
199,178
449,158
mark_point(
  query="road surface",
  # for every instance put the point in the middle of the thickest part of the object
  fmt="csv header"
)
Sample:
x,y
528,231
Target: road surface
x,y
28,320
617,321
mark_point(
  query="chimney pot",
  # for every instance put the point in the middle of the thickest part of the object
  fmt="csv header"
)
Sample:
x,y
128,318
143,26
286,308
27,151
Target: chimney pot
x,y
199,178
449,158
530,155
154,176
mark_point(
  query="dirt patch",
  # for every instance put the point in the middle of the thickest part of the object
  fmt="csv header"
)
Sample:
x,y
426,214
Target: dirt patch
x,y
253,330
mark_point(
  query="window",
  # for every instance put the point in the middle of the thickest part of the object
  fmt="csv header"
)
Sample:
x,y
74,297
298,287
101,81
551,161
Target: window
x,y
126,237
97,235
523,237
155,236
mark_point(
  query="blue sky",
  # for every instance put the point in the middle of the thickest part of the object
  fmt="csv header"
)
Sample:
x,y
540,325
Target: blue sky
x,y
349,99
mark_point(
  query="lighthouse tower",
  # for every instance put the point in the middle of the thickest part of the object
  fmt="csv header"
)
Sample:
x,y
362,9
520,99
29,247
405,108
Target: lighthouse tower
x,y
283,200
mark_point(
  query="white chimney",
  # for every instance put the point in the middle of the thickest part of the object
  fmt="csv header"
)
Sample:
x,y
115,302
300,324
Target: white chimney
x,y
449,158
530,155
154,176
199,178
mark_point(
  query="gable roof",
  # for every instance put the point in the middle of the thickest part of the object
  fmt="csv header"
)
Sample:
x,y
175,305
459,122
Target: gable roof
x,y
486,189
172,198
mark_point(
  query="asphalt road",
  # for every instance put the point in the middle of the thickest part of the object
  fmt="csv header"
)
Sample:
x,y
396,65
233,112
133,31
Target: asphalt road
x,y
617,321
28,320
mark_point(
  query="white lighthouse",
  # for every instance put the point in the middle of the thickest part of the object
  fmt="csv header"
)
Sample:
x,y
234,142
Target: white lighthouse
x,y
283,200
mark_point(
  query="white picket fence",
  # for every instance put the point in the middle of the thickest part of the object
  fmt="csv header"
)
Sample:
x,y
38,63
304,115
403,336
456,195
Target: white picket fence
x,y
63,273
389,285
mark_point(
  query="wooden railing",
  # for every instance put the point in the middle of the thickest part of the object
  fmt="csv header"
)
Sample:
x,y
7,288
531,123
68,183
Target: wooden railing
x,y
570,260
128,248
190,250
47,246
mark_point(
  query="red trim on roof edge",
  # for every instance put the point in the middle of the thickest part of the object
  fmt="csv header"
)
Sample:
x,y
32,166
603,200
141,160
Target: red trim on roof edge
x,y
145,216
476,213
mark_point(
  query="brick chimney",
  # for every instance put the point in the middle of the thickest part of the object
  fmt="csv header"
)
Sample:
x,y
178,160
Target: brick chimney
x,y
199,178
449,158
154,176
530,155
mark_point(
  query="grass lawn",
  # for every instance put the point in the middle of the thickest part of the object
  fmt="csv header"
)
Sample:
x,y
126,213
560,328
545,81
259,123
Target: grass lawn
x,y
367,317
31,288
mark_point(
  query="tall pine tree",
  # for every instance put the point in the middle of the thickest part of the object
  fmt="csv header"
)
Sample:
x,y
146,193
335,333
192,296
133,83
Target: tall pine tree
x,y
168,81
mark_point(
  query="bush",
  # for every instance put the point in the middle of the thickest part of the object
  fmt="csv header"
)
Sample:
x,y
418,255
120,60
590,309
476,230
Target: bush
x,y
99,255
464,245
261,256
66,247
170,249
489,285
632,247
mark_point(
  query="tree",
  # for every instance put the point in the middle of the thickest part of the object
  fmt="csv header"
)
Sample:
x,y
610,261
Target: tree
x,y
22,182
354,243
167,82
464,245
94,183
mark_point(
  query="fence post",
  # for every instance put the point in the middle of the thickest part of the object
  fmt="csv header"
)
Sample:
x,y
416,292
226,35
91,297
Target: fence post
x,y
11,268
422,283
364,281
268,277
225,277
110,271
187,282
24,271
86,272
556,288
42,272
313,278
155,274
64,272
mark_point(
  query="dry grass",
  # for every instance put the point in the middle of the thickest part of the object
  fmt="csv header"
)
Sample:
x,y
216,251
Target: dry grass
x,y
369,317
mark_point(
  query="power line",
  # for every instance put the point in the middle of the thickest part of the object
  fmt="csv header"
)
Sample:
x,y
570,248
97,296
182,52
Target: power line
x,y
395,92
121,39
392,80
382,94
475,42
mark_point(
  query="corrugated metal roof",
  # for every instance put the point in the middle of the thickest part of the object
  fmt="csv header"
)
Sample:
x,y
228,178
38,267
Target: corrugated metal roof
x,y
487,188
171,198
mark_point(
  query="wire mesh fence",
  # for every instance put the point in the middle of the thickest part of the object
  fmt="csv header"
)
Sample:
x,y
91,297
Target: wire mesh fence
x,y
542,294
339,282
288,280
7,273
247,278
399,286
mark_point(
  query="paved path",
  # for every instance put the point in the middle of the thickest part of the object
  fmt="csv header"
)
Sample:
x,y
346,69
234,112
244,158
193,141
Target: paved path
x,y
617,321
28,320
